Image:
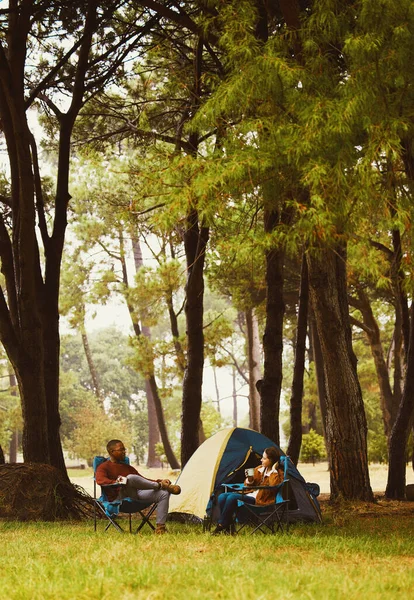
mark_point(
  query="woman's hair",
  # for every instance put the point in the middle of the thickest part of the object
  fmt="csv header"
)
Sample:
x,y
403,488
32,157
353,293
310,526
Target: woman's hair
x,y
273,453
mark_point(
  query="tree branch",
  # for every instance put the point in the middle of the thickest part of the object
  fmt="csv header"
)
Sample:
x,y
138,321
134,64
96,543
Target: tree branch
x,y
181,18
359,324
39,193
235,363
8,335
7,268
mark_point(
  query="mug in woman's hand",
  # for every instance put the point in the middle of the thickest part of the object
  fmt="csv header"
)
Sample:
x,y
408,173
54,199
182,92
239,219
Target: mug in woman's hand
x,y
249,472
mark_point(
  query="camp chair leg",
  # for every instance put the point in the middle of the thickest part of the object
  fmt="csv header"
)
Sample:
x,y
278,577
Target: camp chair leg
x,y
275,521
206,523
114,524
146,518
110,519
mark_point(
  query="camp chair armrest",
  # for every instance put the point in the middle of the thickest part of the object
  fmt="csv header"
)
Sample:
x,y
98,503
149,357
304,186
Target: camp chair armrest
x,y
110,485
266,487
235,487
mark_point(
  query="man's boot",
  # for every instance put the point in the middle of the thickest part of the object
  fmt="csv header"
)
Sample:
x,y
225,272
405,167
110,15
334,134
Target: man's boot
x,y
160,529
170,487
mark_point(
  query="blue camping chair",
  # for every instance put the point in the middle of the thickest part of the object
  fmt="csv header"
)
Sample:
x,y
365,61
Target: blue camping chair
x,y
111,508
268,517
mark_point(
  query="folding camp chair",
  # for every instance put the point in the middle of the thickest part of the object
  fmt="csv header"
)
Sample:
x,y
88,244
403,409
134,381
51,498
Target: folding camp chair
x,y
111,508
262,517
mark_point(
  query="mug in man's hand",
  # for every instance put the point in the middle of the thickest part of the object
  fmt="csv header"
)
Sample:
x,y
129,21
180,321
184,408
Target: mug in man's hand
x,y
249,472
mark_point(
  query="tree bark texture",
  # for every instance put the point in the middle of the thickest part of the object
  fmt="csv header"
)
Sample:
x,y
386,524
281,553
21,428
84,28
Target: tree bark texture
x,y
253,357
403,423
346,427
195,243
295,439
271,384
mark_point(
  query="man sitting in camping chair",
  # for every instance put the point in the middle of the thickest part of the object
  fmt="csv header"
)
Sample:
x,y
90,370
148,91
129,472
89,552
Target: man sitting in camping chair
x,y
270,473
133,485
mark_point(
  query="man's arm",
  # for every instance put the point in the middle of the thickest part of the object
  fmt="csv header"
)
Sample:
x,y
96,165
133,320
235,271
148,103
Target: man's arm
x,y
102,476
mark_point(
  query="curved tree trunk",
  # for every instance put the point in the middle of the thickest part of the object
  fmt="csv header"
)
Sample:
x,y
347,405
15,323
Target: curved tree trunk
x,y
153,429
346,427
150,377
389,407
295,439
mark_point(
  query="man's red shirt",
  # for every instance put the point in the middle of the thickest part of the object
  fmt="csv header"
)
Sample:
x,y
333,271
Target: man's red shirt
x,y
108,472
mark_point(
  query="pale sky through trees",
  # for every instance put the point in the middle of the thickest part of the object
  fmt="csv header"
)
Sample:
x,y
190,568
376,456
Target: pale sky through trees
x,y
115,313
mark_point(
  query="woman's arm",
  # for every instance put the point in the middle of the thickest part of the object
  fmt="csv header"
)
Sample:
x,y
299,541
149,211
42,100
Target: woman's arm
x,y
257,478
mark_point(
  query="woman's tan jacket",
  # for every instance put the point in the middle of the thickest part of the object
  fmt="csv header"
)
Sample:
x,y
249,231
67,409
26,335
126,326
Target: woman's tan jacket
x,y
275,477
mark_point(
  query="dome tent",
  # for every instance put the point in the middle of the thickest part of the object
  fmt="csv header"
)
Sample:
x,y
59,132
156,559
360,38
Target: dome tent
x,y
221,459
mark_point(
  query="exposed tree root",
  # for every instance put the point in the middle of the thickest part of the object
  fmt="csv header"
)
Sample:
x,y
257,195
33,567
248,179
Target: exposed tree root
x,y
37,492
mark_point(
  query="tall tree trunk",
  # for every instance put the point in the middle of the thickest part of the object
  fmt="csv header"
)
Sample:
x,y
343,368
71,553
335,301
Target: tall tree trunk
x,y
216,390
14,441
234,394
2,459
271,384
253,356
389,407
153,429
400,295
29,321
195,243
346,427
196,236
150,377
295,440
311,412
154,437
397,358
51,343
403,423
320,372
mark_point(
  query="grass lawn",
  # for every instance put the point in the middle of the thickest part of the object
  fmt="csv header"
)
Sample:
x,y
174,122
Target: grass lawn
x,y
360,552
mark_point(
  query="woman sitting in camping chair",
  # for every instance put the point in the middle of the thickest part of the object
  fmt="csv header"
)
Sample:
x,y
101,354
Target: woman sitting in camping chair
x,y
268,474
